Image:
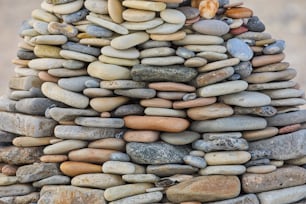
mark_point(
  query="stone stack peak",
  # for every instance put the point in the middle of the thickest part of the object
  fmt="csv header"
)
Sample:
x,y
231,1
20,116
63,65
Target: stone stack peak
x,y
151,101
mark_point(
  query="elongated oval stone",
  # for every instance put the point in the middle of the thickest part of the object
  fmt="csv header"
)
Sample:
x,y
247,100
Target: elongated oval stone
x,y
129,41
156,123
222,88
234,123
227,157
160,73
108,71
211,27
247,99
70,98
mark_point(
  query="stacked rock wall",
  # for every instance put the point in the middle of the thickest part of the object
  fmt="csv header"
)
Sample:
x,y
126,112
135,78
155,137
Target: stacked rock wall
x,y
162,101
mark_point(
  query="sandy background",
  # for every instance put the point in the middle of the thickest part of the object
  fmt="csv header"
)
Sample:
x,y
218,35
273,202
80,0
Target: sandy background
x,y
283,19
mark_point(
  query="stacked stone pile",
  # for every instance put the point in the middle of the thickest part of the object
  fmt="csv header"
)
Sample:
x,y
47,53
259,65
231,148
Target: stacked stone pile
x,y
161,101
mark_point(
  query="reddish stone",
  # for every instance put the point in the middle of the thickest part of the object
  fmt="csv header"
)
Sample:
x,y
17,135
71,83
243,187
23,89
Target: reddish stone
x,y
239,30
289,128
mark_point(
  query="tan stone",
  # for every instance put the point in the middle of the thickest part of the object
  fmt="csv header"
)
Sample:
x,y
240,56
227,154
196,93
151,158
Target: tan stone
x,y
53,158
180,35
105,104
71,168
145,5
115,10
227,157
262,169
108,143
156,102
141,136
204,189
31,142
136,15
194,103
217,110
108,71
97,156
167,124
267,59
97,180
171,86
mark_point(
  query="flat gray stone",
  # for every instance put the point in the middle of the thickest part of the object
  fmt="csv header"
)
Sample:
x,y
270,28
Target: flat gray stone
x,y
52,180
168,73
72,46
245,199
69,114
7,104
76,84
100,122
34,126
284,119
247,99
283,147
16,190
136,93
85,133
37,171
156,153
35,106
234,123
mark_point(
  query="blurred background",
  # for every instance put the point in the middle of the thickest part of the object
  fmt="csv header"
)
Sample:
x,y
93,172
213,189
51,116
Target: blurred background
x,y
283,19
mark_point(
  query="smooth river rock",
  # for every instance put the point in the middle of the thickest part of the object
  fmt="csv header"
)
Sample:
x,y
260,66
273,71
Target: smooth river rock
x,y
247,99
284,119
234,123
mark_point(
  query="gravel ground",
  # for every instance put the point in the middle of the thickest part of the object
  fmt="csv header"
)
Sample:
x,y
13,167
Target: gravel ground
x,y
283,19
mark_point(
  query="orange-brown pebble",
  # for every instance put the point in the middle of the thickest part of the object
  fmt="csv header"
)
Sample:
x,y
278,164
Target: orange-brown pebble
x,y
166,124
9,170
289,128
156,102
171,86
239,30
194,103
239,12
45,76
108,143
53,158
208,8
267,59
22,63
97,156
195,3
141,136
71,168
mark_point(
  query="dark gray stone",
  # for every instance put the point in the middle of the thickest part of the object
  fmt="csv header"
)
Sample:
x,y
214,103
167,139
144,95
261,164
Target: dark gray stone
x,y
156,153
6,136
37,171
26,55
223,3
35,106
98,31
76,16
254,24
130,109
77,47
283,147
166,73
290,118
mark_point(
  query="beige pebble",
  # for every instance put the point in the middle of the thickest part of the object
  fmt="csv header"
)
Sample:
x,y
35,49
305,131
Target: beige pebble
x,y
108,71
135,15
129,41
31,141
118,61
156,102
67,54
197,39
145,5
227,157
217,110
264,169
260,134
107,103
141,136
169,37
